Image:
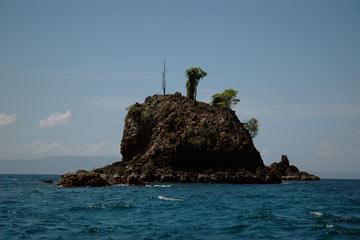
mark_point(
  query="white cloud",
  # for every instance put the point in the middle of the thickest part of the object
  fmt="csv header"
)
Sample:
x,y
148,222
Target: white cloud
x,y
56,119
6,119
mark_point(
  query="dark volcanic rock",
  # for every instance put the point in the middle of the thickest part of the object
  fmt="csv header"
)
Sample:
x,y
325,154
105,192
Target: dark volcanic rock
x,y
289,172
83,178
177,132
135,179
175,139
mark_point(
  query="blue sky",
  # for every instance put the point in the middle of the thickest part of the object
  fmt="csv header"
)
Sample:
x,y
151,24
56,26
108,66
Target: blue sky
x,y
296,65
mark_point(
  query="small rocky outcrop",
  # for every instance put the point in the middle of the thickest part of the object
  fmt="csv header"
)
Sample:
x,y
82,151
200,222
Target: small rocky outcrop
x,y
289,172
83,178
172,138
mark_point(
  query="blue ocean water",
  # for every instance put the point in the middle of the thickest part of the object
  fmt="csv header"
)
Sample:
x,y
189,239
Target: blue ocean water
x,y
326,209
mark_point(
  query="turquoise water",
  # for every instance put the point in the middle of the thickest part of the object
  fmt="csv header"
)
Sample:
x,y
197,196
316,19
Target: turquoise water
x,y
326,209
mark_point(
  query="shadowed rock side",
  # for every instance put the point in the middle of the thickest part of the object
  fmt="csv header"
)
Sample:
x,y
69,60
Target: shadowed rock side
x,y
174,131
175,139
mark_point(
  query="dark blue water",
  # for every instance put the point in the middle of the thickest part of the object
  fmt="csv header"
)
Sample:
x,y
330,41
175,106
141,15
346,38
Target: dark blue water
x,y
326,209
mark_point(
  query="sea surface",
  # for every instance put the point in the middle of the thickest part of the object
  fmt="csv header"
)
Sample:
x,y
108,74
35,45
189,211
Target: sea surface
x,y
326,209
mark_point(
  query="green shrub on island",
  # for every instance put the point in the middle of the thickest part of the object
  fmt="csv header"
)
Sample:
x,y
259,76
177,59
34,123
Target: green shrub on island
x,y
226,99
194,74
138,113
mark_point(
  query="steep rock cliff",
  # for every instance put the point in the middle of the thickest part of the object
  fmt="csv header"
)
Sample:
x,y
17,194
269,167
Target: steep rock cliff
x,y
177,132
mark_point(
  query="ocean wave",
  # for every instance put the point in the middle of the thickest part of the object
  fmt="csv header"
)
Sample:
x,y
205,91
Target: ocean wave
x,y
102,206
347,219
329,225
317,214
159,185
169,199
94,205
121,185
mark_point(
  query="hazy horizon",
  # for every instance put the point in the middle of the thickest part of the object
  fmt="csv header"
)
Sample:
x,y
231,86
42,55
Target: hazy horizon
x,y
69,70
58,165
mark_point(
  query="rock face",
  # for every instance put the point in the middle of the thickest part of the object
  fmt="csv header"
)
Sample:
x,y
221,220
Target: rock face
x,y
83,178
174,131
175,139
289,172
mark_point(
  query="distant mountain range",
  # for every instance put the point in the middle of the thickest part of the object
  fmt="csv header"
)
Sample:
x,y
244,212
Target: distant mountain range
x,y
53,165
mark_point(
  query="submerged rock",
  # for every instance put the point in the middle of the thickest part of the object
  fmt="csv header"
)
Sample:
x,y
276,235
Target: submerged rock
x,y
47,180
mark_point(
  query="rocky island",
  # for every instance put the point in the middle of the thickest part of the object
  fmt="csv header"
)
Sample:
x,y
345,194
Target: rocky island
x,y
172,138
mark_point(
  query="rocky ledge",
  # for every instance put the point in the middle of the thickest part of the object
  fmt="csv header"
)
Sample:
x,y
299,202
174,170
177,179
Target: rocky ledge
x,y
83,178
172,138
289,172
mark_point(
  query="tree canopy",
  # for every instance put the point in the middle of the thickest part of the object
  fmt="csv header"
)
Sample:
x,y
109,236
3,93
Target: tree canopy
x,y
252,126
194,74
227,98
